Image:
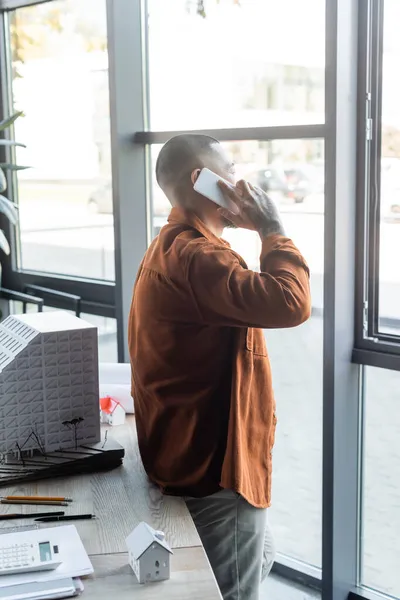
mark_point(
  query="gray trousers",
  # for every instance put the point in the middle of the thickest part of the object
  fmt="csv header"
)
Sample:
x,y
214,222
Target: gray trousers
x,y
237,540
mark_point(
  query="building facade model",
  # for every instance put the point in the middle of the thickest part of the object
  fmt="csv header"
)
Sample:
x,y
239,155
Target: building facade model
x,y
49,388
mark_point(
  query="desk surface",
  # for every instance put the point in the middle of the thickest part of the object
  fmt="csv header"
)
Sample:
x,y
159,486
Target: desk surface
x,y
121,499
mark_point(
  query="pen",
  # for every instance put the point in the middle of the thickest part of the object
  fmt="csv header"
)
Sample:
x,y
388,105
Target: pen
x,y
33,502
8,517
53,519
38,498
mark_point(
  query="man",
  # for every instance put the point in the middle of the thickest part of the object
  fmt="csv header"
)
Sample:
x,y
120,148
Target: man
x,y
201,378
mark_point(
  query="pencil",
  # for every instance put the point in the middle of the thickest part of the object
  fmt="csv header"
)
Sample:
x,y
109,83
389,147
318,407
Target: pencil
x,y
39,498
35,502
9,517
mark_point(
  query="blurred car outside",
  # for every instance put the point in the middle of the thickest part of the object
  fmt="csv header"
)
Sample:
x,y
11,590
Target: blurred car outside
x,y
294,182
101,201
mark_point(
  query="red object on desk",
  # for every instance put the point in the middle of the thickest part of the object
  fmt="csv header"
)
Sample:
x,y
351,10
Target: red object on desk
x,y
108,404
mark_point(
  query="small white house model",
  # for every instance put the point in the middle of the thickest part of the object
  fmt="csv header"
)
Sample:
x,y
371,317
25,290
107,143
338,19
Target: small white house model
x,y
149,554
111,411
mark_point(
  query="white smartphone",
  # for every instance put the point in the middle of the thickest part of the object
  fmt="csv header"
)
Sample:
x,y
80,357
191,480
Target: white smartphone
x,y
207,185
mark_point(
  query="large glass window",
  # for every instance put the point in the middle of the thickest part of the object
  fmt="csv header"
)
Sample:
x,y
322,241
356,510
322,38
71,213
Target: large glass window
x,y
389,273
230,63
296,354
292,172
107,333
381,491
60,81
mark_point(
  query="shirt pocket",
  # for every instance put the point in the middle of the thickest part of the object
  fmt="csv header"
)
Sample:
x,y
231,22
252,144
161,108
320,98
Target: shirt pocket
x,y
255,342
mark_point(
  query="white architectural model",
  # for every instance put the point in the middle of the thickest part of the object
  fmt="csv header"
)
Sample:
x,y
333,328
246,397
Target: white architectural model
x,y
49,389
148,554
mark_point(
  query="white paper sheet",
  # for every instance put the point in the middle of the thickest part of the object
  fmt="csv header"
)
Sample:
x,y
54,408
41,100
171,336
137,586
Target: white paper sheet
x,y
119,373
75,561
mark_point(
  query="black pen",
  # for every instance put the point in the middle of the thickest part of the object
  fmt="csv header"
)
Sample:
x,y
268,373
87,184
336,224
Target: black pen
x,y
54,519
10,516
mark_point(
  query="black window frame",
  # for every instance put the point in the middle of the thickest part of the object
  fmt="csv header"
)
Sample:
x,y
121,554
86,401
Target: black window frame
x,y
372,346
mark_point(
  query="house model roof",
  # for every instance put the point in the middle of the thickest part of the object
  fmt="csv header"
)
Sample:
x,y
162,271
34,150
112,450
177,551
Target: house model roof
x,y
17,331
14,338
143,537
47,322
108,405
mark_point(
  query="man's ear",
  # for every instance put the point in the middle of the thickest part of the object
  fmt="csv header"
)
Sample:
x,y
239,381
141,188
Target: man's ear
x,y
194,175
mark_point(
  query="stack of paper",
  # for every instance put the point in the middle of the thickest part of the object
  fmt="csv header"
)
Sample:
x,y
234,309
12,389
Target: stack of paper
x,y
60,583
45,590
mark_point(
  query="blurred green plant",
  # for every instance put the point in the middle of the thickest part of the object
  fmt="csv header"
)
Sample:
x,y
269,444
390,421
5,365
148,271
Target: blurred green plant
x,y
7,207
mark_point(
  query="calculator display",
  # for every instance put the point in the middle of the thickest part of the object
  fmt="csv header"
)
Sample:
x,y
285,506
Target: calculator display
x,y
45,551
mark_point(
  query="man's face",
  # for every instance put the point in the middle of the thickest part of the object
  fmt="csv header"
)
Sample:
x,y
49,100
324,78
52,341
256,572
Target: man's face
x,y
221,163
218,161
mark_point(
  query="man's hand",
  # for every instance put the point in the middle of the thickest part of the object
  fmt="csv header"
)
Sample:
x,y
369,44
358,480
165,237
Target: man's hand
x,y
257,211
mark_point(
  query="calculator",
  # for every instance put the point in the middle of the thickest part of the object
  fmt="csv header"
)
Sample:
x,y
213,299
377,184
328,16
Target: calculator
x,y
26,557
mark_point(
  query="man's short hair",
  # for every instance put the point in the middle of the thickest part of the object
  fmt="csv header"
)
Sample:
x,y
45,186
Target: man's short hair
x,y
180,155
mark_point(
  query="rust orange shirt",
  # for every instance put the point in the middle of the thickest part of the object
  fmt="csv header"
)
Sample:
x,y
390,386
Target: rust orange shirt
x,y
201,378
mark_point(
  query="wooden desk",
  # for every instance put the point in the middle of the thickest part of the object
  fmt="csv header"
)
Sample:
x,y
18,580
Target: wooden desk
x,y
121,499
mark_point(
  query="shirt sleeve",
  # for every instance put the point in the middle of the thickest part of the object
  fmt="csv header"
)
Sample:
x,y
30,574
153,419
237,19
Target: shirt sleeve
x,y
227,293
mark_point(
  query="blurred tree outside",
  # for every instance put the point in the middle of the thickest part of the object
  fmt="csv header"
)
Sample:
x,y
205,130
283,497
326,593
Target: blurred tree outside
x,y
53,37
35,31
